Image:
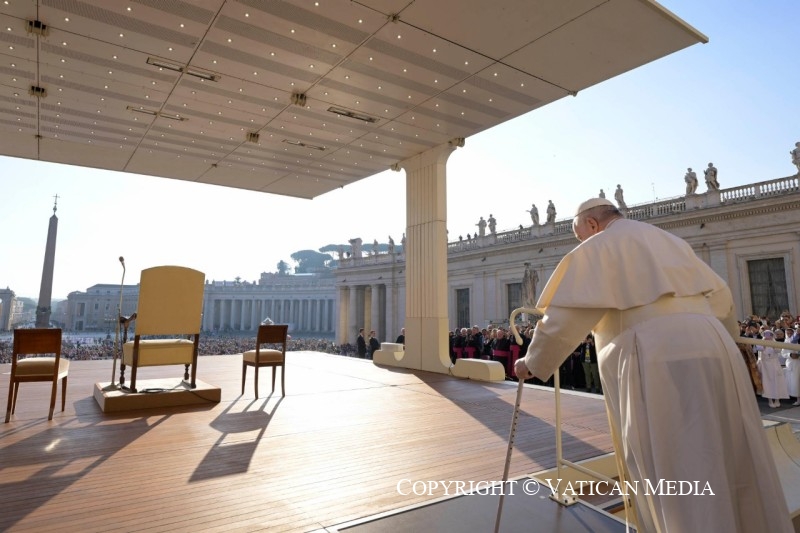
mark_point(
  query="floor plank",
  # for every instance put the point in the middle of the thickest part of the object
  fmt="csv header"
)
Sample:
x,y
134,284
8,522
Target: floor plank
x,y
332,450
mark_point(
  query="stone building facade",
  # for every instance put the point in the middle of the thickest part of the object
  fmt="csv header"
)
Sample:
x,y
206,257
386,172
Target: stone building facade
x,y
749,235
306,303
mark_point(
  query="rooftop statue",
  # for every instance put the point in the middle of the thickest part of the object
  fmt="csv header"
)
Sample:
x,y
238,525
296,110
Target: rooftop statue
x,y
551,212
355,245
711,177
481,227
534,214
618,196
691,181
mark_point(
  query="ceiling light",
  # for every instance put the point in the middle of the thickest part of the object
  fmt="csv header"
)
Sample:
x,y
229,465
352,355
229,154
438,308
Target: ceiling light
x,y
164,64
161,63
202,75
304,145
351,114
155,113
142,110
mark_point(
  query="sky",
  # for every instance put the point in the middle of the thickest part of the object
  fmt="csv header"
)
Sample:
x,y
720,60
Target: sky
x,y
734,102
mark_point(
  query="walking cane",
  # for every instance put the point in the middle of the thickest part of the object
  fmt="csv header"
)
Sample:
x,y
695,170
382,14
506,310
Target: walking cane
x,y
508,454
514,417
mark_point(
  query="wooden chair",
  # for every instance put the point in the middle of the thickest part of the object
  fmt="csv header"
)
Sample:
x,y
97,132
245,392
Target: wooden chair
x,y
170,305
267,334
37,342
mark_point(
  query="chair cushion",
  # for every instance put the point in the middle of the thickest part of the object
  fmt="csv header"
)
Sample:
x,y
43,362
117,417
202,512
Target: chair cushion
x,y
265,356
40,366
155,352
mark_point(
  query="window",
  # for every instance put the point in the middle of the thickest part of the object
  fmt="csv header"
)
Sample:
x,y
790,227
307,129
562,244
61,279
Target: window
x,y
462,308
514,295
768,287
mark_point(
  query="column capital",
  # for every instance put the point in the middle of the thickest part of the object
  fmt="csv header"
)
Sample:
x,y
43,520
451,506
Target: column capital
x,y
437,155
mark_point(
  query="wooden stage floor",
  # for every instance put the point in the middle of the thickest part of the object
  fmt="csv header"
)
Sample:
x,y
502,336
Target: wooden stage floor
x,y
332,451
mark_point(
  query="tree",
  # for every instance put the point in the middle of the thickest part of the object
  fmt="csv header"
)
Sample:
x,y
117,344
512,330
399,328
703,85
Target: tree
x,y
310,261
283,267
339,249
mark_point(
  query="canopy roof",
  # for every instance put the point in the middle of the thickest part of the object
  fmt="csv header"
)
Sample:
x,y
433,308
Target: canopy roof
x,y
297,98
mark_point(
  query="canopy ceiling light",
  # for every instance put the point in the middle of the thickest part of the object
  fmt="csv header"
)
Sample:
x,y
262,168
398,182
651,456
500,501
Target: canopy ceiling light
x,y
161,63
304,145
155,113
352,114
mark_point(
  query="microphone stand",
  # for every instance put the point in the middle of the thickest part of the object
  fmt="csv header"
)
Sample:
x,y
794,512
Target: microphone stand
x,y
118,321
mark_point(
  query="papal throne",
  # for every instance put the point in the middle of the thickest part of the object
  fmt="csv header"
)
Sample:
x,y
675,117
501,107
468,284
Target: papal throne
x,y
168,322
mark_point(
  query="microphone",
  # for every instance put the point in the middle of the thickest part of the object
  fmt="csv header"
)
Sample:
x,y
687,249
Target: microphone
x,y
120,321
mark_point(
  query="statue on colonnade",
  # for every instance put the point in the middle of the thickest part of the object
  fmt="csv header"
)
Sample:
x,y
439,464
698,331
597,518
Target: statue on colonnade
x,y
355,244
618,196
691,181
534,214
711,177
551,212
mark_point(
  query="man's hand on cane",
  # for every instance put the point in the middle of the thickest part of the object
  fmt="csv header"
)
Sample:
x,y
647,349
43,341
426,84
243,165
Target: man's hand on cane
x,y
521,370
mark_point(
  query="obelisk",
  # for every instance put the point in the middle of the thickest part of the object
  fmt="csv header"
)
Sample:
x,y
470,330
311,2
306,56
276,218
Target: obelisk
x,y
46,289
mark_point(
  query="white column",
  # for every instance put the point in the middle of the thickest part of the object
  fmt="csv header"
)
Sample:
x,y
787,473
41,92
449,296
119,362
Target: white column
x,y
343,315
426,259
329,316
391,326
375,310
298,312
207,306
352,316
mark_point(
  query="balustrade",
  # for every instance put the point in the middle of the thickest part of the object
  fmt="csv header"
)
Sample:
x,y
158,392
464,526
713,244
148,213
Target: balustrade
x,y
649,210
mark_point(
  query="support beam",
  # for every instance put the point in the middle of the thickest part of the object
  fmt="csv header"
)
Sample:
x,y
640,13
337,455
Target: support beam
x,y
426,259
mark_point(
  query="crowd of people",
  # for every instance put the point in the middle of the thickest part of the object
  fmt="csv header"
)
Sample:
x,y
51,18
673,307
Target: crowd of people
x,y
578,372
88,348
775,373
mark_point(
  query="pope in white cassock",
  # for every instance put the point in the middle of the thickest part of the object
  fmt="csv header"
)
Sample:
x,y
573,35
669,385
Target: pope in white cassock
x,y
679,398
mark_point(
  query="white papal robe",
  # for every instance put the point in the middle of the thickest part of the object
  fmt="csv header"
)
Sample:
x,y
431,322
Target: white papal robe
x,y
792,371
680,402
773,379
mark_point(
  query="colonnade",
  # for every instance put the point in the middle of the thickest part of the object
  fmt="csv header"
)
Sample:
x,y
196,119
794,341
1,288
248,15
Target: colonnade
x,y
307,315
378,306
